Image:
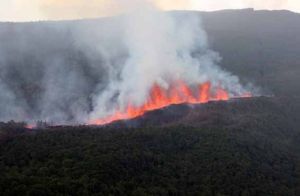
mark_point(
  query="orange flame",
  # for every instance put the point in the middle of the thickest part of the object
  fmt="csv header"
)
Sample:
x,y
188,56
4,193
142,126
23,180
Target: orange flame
x,y
31,126
160,98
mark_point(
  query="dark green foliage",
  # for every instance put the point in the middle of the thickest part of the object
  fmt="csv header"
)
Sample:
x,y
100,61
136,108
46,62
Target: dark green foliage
x,y
11,129
246,147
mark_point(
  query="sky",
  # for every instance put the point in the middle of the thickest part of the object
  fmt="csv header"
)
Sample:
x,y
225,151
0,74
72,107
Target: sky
x,y
35,10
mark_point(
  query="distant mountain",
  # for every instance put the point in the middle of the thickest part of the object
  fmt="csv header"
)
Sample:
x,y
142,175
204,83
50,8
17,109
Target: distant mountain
x,y
262,47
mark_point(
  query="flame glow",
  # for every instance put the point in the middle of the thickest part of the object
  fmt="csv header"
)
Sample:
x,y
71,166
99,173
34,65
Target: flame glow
x,y
160,98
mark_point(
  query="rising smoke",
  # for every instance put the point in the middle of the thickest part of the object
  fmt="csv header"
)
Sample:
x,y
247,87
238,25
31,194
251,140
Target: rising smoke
x,y
75,72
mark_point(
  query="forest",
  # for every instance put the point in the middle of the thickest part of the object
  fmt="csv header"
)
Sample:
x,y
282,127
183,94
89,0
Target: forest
x,y
239,147
228,150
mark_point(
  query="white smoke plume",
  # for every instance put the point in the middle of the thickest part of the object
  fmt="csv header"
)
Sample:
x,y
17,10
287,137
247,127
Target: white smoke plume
x,y
161,47
75,72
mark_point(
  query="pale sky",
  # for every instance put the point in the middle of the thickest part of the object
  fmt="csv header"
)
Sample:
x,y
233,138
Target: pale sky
x,y
33,10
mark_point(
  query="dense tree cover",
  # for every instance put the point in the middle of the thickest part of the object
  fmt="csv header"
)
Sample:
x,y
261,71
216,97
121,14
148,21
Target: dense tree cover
x,y
245,147
257,156
11,129
148,161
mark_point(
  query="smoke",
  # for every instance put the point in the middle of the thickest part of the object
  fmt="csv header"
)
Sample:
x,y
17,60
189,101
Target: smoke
x,y
75,72
161,47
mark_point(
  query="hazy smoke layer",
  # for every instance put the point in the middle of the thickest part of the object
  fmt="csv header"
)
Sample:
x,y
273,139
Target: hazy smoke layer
x,y
73,72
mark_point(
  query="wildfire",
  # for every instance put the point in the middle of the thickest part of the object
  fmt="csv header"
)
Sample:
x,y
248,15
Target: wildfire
x,y
30,126
160,98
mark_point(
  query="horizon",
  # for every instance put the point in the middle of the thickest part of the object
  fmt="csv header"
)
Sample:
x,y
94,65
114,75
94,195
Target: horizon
x,y
53,10
120,14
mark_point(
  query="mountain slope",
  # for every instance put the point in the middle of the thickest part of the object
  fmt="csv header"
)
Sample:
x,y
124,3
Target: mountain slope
x,y
261,47
241,147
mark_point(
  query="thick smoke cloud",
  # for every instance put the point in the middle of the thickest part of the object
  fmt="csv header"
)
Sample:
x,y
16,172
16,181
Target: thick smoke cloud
x,y
74,72
161,48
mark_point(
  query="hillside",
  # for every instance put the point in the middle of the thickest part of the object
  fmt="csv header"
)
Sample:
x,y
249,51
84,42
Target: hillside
x,y
241,147
261,47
